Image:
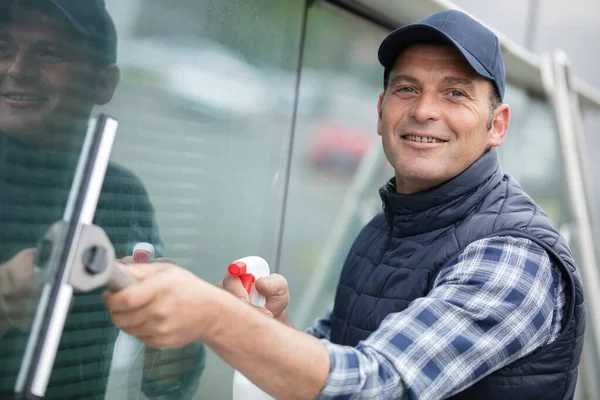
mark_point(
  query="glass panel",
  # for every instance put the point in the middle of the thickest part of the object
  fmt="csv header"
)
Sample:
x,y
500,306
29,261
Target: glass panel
x,y
205,106
531,153
591,127
47,74
337,121
204,102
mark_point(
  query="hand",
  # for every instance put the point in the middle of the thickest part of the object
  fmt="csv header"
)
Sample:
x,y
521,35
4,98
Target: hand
x,y
275,289
166,366
129,260
19,292
170,307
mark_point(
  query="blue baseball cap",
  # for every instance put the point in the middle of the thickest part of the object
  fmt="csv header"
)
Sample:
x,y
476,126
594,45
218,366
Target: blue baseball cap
x,y
478,45
88,17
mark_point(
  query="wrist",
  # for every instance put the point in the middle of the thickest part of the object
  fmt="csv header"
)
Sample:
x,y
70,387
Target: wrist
x,y
216,316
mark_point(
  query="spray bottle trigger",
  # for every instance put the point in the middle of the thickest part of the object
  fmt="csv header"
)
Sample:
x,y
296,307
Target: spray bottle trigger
x,y
247,281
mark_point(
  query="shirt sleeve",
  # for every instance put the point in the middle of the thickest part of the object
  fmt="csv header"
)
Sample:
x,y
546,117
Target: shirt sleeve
x,y
490,305
322,327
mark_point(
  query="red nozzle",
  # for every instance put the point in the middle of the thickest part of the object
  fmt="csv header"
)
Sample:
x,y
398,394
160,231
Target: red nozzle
x,y
237,268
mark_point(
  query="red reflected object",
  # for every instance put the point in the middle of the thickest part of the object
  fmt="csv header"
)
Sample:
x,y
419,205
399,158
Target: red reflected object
x,y
337,146
141,256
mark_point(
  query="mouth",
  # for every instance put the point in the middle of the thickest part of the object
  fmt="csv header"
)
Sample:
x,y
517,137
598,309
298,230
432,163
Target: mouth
x,y
422,139
24,98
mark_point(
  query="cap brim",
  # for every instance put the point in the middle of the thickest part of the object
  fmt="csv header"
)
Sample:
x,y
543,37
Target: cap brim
x,y
405,37
80,28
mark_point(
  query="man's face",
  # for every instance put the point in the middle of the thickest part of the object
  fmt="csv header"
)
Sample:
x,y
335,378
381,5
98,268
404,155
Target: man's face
x,y
433,117
46,77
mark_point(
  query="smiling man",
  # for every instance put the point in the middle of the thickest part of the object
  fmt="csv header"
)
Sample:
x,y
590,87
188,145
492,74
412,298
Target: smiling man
x,y
57,61
462,288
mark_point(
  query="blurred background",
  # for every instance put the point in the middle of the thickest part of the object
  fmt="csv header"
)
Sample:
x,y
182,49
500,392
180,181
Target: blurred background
x,y
252,124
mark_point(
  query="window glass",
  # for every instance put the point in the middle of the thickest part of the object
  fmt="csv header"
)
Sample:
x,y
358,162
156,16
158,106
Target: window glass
x,y
531,152
204,95
335,133
591,127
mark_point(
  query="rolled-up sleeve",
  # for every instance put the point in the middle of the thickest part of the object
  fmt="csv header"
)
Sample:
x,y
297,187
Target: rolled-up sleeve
x,y
492,304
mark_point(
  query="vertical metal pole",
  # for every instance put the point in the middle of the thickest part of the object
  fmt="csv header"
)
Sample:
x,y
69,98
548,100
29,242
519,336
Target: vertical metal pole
x,y
557,79
532,24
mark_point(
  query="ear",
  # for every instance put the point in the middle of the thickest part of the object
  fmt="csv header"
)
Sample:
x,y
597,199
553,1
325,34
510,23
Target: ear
x,y
499,125
107,82
379,114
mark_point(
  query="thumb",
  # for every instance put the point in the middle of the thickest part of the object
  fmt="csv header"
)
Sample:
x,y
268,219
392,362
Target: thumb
x,y
272,285
275,289
143,271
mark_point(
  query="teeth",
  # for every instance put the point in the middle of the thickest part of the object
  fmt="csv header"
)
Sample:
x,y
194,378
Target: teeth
x,y
422,139
24,97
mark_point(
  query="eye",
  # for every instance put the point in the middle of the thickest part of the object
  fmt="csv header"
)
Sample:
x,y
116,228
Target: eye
x,y
51,55
456,93
405,89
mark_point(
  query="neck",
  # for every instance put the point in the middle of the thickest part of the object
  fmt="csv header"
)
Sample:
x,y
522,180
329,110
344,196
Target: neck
x,y
406,187
50,142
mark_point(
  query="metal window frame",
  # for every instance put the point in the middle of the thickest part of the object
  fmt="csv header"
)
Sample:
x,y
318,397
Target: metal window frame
x,y
559,84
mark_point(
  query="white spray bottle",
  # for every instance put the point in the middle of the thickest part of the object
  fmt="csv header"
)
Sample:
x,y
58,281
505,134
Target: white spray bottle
x,y
249,269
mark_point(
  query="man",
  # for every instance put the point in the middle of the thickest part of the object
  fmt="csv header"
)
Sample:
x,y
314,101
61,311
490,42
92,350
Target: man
x,y
461,288
57,60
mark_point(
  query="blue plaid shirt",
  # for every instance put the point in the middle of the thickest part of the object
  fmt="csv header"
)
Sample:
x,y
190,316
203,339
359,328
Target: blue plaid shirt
x,y
500,299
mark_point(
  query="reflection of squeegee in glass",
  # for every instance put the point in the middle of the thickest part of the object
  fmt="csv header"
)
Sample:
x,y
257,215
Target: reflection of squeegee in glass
x,y
80,258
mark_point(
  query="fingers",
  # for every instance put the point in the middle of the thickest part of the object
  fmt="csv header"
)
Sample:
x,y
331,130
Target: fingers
x,y
272,285
135,296
163,260
128,320
16,277
264,311
142,271
27,255
275,289
127,260
233,285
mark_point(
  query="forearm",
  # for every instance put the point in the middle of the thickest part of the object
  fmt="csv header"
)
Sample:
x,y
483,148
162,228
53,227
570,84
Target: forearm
x,y
284,362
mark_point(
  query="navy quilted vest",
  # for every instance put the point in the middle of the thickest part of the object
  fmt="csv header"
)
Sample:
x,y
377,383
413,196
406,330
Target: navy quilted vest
x,y
396,257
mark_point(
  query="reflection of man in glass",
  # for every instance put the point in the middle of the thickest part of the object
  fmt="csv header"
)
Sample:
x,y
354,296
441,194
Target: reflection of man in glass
x,y
57,60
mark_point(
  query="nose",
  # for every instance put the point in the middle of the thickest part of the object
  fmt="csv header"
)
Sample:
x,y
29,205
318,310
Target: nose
x,y
426,107
22,67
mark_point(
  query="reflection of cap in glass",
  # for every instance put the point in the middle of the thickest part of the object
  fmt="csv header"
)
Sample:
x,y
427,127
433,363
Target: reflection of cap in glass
x,y
477,44
88,17
91,19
